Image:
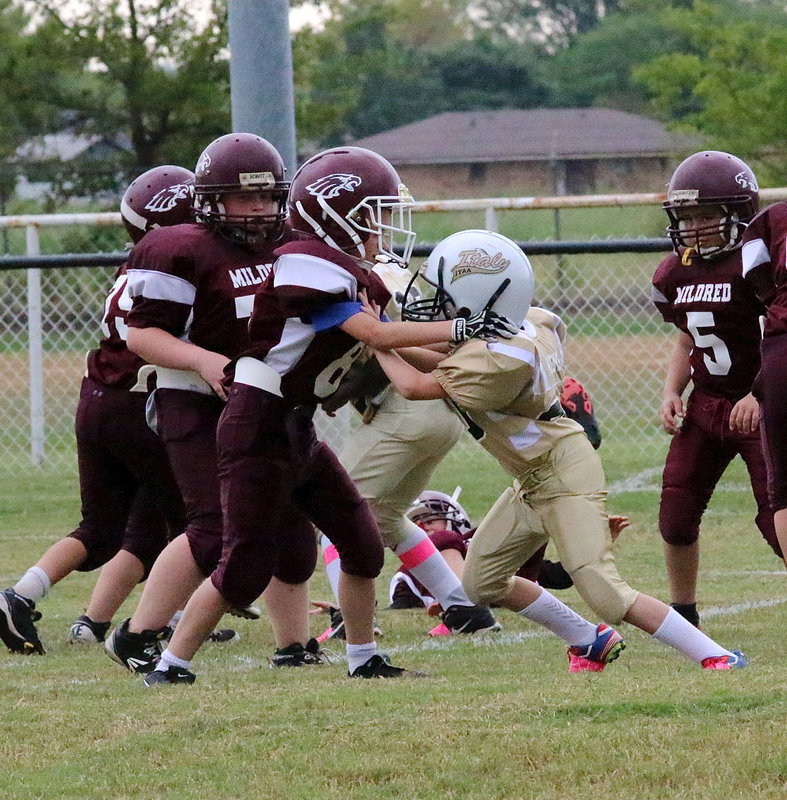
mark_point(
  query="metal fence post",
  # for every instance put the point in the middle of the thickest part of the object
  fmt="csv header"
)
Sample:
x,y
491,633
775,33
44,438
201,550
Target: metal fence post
x,y
491,219
35,350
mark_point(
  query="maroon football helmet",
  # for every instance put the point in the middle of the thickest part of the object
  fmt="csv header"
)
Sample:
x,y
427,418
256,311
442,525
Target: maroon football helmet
x,y
347,195
712,178
240,162
159,197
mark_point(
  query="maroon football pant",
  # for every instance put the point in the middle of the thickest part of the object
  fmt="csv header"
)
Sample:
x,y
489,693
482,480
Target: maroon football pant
x,y
129,497
187,423
771,391
275,476
698,456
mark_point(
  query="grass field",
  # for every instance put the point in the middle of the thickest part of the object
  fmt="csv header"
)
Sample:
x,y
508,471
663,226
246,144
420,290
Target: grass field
x,y
498,718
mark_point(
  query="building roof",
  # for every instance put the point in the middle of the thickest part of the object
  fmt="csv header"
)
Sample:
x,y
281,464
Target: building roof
x,y
526,135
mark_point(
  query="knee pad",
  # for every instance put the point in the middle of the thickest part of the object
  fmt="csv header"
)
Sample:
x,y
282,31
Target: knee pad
x,y
679,517
486,593
609,599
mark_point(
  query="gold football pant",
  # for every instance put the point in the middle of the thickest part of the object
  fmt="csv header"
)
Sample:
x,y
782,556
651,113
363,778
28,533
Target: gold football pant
x,y
560,496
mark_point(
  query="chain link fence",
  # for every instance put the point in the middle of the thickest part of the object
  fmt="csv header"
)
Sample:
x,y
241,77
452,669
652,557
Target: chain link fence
x,y
618,346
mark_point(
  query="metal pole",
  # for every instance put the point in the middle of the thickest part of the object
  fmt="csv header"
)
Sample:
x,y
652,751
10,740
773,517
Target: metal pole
x,y
261,83
491,219
35,350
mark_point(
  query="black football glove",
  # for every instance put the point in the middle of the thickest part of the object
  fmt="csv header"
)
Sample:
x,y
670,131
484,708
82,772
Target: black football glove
x,y
484,325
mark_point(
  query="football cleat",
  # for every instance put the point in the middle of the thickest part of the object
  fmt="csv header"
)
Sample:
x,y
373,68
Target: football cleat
x,y
380,666
85,631
224,636
736,660
296,655
404,597
137,652
606,647
245,612
158,677
336,629
469,619
17,615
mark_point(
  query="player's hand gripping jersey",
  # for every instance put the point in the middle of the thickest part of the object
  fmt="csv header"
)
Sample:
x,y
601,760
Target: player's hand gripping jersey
x,y
511,389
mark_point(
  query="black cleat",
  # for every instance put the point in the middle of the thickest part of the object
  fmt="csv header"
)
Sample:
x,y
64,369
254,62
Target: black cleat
x,y
224,636
405,597
337,624
137,652
17,615
172,675
245,612
85,631
380,666
296,655
469,619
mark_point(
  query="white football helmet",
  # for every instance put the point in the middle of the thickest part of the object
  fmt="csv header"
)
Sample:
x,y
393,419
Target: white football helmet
x,y
430,506
474,271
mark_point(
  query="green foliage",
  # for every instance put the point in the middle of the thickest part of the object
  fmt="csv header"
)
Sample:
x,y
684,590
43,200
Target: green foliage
x,y
730,83
596,68
382,64
154,69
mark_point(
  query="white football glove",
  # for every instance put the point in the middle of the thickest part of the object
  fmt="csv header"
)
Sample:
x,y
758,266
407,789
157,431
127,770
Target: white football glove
x,y
484,325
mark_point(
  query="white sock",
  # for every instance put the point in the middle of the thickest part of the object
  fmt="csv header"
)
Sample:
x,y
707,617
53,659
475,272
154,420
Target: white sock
x,y
333,566
169,660
426,564
556,616
34,584
679,633
358,654
173,623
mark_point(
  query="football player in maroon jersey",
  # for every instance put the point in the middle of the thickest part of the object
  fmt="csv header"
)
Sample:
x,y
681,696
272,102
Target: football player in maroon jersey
x,y
311,319
700,289
764,266
192,288
130,503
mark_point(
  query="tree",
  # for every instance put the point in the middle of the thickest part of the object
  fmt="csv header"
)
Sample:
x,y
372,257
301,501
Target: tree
x,y
730,84
596,68
553,23
154,69
381,64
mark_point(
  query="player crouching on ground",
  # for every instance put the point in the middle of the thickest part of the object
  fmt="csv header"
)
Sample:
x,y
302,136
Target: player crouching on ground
x,y
511,389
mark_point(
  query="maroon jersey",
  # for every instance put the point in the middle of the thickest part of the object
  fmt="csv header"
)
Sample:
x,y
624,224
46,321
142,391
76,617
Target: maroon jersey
x,y
112,363
710,301
196,285
764,262
294,328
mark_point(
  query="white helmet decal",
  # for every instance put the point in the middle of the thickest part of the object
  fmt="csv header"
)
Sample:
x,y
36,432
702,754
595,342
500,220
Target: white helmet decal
x,y
167,199
331,185
743,180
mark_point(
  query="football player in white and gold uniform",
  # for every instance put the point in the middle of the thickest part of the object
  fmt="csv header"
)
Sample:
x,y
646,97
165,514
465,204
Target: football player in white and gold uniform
x,y
510,389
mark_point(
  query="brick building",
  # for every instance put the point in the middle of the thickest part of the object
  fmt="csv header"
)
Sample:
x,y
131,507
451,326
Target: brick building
x,y
532,152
